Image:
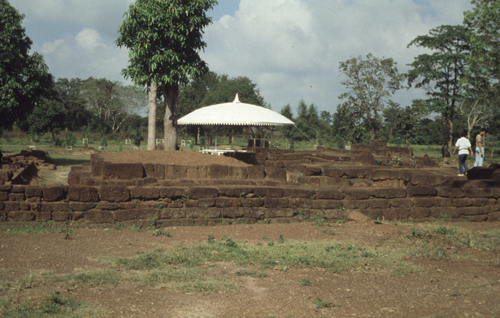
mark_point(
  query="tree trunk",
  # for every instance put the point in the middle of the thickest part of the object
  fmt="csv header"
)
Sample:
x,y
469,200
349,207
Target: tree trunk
x,y
153,93
171,96
444,140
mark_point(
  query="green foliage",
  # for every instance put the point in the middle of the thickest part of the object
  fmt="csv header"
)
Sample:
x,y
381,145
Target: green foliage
x,y
69,139
24,77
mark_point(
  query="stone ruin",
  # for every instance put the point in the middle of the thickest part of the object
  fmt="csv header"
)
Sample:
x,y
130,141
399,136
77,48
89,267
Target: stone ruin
x,y
276,186
21,168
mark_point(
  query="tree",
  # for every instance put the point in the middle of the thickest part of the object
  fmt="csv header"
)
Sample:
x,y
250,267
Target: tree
x,y
483,23
370,83
163,38
24,77
441,75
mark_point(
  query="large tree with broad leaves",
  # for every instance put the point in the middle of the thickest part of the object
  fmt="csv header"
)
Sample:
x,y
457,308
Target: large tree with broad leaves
x,y
164,38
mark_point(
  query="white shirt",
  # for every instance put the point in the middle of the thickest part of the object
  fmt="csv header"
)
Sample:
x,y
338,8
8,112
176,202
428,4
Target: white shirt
x,y
463,145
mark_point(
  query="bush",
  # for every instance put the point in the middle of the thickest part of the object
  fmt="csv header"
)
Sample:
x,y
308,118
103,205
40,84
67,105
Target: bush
x,y
69,139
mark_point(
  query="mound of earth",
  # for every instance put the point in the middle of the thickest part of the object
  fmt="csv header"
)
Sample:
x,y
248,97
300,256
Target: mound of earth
x,y
184,158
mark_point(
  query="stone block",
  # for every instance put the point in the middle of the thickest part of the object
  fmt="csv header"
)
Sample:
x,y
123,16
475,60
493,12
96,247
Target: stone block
x,y
480,173
168,213
301,203
146,213
227,202
82,193
327,204
438,212
401,203
34,191
256,172
175,172
122,171
114,194
54,193
336,214
159,171
232,212
22,216
426,179
206,203
43,216
494,217
234,191
423,202
421,191
419,212
298,193
203,213
274,173
483,193
144,193
385,174
217,172
125,215
196,193
16,196
237,173
396,213
6,187
5,175
60,216
18,188
329,194
275,203
269,192
176,204
4,196
388,193
108,206
279,213
10,206
54,207
173,192
355,204
99,216
379,204
333,173
357,194
81,207
357,172
373,213
447,192
313,171
256,202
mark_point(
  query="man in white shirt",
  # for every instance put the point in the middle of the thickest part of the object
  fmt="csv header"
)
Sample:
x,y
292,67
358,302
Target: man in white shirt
x,y
463,145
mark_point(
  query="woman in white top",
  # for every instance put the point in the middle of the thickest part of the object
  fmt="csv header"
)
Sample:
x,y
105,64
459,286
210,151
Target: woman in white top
x,y
463,145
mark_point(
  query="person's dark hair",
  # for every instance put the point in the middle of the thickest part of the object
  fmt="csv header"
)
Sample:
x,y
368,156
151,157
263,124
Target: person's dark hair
x,y
464,133
484,129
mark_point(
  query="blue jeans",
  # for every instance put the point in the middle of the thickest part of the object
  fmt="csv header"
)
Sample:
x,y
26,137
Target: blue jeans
x,y
462,163
479,158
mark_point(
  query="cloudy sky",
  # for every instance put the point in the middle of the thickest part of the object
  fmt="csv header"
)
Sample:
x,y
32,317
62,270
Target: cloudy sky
x,y
290,48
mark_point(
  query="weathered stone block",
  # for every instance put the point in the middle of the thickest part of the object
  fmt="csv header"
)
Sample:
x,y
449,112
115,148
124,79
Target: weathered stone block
x,y
419,212
333,173
270,192
357,172
388,193
401,203
396,213
144,193
423,191
203,213
125,215
206,203
60,216
298,193
10,206
274,173
278,203
4,195
426,179
34,191
379,204
196,193
18,188
176,204
120,171
43,216
329,194
437,212
256,172
54,207
54,193
494,217
279,213
168,213
383,174
313,171
82,193
6,187
245,202
114,194
373,213
237,191
99,216
175,172
483,193
237,173
173,192
336,214
355,204
146,213
227,202
217,171
357,194
81,207
16,196
108,206
327,204
448,192
423,202
22,216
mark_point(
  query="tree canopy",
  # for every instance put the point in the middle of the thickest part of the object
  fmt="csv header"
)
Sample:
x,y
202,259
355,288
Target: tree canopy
x,y
24,77
164,38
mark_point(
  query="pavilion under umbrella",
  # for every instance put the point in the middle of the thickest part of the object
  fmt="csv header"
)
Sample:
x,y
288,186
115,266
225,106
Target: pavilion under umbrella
x,y
234,114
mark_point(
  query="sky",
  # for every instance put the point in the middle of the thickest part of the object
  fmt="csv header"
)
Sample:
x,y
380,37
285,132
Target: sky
x,y
291,49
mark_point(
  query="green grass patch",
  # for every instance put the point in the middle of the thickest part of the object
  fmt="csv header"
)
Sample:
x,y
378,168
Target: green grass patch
x,y
35,228
91,278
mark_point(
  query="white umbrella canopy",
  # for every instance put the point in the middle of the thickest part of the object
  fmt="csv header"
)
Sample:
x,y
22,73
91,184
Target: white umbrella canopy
x,y
235,114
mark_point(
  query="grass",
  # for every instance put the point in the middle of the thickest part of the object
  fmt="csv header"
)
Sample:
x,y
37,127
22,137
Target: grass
x,y
37,228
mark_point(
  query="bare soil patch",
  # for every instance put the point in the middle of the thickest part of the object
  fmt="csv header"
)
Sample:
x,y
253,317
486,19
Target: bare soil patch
x,y
441,288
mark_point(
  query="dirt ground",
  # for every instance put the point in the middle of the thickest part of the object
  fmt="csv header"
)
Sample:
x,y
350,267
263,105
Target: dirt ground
x,y
442,288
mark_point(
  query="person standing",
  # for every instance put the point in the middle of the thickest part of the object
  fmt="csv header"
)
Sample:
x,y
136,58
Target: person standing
x,y
463,145
480,148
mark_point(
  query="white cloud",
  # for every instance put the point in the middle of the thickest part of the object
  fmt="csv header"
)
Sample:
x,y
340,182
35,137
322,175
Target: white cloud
x,y
89,40
292,48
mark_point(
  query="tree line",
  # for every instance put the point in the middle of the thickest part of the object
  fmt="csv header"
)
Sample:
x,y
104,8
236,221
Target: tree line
x,y
460,77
